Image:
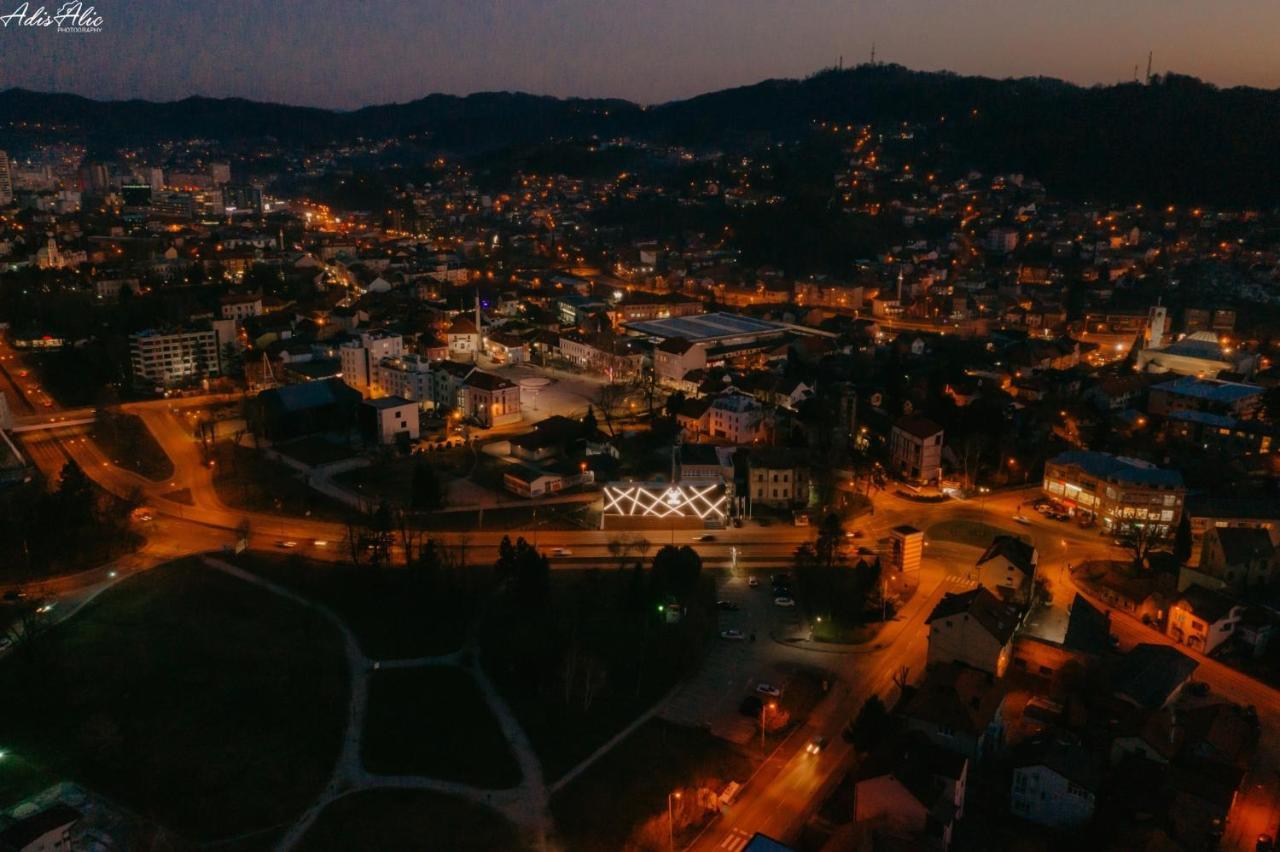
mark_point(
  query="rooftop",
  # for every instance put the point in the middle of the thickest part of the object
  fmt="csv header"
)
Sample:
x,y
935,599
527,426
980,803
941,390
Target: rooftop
x,y
1212,390
1119,469
703,327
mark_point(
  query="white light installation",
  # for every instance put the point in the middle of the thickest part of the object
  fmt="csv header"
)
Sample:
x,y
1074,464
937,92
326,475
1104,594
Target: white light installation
x,y
664,500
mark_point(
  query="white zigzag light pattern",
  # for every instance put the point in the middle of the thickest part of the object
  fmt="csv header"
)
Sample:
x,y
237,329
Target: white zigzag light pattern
x,y
665,501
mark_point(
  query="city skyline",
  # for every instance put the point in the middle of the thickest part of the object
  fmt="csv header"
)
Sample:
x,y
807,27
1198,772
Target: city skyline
x,y
570,48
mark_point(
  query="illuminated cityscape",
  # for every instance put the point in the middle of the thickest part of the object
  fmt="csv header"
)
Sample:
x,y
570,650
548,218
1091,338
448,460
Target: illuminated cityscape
x,y
862,458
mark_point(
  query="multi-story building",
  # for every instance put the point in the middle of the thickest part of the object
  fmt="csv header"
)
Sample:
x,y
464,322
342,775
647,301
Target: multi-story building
x,y
1120,493
1202,618
1054,783
6,180
974,628
915,449
490,399
735,417
361,356
241,307
777,478
175,356
1209,396
408,376
389,416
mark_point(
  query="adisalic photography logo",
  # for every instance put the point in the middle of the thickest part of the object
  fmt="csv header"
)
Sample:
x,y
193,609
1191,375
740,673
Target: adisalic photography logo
x,y
71,17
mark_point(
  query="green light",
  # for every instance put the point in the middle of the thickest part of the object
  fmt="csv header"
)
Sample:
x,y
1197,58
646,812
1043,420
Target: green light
x,y
661,608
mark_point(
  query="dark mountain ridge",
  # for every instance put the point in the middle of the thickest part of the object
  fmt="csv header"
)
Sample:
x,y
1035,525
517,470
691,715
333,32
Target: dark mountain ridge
x,y
1176,139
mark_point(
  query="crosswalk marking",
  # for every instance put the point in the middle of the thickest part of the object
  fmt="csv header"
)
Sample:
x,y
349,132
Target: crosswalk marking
x,y
735,840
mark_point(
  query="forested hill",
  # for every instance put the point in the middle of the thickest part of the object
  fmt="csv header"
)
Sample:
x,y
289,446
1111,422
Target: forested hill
x,y
1177,139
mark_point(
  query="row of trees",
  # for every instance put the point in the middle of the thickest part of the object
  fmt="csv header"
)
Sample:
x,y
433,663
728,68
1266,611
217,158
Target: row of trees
x,y
73,526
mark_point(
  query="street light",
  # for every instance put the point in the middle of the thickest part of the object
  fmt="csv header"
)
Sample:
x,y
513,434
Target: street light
x,y
763,707
671,820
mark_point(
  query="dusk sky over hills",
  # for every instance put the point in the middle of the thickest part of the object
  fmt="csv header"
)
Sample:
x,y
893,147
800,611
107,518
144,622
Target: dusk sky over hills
x,y
348,54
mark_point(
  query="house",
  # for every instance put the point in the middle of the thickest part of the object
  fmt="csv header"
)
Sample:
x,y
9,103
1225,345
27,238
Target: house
x,y
555,436
506,348
1008,569
1055,783
44,831
1151,676
463,338
777,477
528,480
912,789
736,418
694,417
974,628
1203,619
915,449
1240,558
386,418
956,707
490,399
1086,638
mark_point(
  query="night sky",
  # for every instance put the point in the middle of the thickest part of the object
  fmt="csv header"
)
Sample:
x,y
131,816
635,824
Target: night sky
x,y
347,53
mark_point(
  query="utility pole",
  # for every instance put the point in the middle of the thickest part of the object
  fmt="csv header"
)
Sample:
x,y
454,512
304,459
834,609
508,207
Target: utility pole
x,y
1149,67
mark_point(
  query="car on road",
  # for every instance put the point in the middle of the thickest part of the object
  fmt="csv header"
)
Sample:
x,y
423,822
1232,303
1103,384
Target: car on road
x,y
727,606
288,545
706,537
320,543
753,582
1022,519
769,690
784,601
732,635
561,551
853,534
816,745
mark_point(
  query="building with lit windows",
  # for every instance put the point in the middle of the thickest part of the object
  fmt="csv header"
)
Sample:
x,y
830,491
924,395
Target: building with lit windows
x,y
174,356
489,399
361,357
1119,493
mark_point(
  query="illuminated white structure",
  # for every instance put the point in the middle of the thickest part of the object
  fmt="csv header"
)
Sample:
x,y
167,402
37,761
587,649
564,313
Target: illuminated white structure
x,y
690,502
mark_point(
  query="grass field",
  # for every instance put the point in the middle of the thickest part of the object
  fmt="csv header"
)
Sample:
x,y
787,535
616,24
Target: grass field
x,y
197,700
409,820
972,533
602,807
434,721
125,439
390,613
246,480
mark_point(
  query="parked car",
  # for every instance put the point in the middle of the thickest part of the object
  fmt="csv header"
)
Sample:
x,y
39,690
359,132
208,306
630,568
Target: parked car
x,y
561,551
705,537
732,635
753,582
287,545
784,601
769,690
727,606
816,745
1022,519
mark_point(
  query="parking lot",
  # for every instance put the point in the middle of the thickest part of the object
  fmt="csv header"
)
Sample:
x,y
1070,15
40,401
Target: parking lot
x,y
733,668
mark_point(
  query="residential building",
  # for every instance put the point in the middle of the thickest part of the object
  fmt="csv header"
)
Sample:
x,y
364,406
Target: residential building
x,y
1208,511
489,399
975,628
1119,492
736,418
1241,558
408,376
1008,568
616,358
1151,676
1042,648
168,357
1202,619
913,790
915,449
388,417
778,478
1055,783
360,357
241,306
958,708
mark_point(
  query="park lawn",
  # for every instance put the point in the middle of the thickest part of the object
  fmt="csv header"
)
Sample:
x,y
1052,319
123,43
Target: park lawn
x,y
191,697
315,450
972,533
127,441
643,659
433,721
247,480
391,616
602,807
379,820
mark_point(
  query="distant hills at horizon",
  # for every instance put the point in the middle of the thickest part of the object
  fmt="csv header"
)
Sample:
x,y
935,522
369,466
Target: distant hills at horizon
x,y
1176,139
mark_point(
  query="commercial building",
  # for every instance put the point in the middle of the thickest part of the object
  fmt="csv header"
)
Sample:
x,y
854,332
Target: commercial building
x,y
1120,493
1209,396
489,399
